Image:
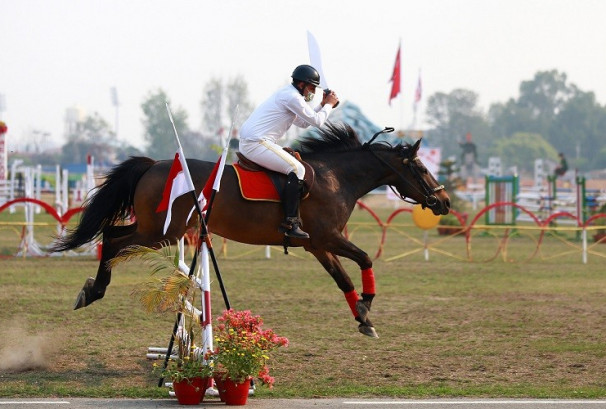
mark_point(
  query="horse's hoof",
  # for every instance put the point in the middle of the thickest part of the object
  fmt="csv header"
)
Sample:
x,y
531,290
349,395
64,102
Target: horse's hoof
x,y
368,330
362,310
82,296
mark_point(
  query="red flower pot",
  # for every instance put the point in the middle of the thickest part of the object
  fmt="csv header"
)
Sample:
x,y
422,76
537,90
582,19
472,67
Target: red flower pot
x,y
191,392
233,393
220,388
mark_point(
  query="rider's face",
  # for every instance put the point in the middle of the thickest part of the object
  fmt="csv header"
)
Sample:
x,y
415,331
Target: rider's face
x,y
309,91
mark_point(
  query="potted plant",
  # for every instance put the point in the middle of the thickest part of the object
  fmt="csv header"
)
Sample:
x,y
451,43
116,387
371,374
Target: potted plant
x,y
242,349
189,372
190,375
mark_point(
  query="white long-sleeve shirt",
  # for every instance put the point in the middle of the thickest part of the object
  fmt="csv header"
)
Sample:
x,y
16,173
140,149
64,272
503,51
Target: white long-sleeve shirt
x,y
279,112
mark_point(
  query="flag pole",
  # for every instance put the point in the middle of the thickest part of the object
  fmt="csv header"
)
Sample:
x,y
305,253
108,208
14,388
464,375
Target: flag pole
x,y
400,86
216,187
217,181
204,238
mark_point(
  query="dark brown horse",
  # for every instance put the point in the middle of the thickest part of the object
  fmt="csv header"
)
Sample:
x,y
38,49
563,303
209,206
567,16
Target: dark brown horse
x,y
345,170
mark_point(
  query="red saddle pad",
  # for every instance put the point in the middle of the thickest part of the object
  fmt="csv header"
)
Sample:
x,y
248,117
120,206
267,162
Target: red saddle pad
x,y
256,185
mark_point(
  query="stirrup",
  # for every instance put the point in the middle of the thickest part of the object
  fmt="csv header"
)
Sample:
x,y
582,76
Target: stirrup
x,y
291,228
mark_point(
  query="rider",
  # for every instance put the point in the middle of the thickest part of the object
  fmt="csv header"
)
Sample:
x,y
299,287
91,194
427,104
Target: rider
x,y
563,167
270,121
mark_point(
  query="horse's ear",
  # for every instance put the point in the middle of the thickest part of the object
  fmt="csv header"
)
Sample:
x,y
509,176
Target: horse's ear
x,y
417,145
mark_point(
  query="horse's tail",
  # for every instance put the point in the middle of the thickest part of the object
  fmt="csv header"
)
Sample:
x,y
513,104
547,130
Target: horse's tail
x,y
111,202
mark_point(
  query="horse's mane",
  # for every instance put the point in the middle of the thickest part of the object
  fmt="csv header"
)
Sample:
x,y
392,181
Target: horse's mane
x,y
332,137
336,137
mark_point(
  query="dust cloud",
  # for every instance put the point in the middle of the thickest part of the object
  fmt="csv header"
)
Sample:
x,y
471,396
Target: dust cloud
x,y
20,351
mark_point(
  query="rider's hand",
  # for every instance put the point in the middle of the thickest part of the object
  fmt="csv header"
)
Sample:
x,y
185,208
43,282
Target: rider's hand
x,y
330,98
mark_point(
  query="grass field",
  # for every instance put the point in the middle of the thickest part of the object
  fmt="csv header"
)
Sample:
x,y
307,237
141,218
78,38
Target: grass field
x,y
447,326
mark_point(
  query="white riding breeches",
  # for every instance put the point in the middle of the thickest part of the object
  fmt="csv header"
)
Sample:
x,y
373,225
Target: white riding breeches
x,y
272,156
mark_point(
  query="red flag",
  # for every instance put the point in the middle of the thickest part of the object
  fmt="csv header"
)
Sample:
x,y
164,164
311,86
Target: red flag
x,y
395,78
207,190
208,187
176,185
419,90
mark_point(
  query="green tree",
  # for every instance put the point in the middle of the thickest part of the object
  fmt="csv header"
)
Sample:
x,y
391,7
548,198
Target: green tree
x,y
521,150
543,97
453,116
218,107
92,136
509,118
212,108
159,133
569,119
579,130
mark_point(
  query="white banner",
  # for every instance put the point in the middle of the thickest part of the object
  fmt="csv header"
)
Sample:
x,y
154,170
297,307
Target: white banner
x,y
431,158
3,157
315,58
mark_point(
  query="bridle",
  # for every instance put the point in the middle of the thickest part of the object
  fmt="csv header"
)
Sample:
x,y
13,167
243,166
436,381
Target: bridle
x,y
430,198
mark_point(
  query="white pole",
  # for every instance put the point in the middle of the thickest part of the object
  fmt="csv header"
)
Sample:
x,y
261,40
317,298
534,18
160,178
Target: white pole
x,y
38,185
65,191
58,190
14,170
90,175
207,323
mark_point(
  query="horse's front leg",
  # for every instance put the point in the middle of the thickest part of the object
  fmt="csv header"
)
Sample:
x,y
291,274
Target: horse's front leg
x,y
358,306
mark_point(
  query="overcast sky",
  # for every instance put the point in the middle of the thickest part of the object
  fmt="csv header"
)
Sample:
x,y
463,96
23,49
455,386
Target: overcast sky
x,y
56,54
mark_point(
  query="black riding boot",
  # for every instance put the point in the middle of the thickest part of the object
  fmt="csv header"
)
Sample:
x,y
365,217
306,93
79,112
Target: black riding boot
x,y
291,226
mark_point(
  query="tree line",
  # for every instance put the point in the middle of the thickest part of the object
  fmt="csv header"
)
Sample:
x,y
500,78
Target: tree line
x,y
550,115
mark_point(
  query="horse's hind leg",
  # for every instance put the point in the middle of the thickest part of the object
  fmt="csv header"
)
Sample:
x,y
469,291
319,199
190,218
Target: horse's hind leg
x,y
358,307
94,288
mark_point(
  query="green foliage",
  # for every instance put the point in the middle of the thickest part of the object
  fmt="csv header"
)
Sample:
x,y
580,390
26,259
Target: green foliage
x,y
567,118
242,347
91,136
454,115
159,133
184,368
447,176
169,293
521,150
219,105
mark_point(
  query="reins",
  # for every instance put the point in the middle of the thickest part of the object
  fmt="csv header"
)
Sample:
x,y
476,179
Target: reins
x,y
430,199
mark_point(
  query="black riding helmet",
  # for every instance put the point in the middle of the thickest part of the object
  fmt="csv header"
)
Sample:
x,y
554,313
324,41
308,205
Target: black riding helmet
x,y
306,73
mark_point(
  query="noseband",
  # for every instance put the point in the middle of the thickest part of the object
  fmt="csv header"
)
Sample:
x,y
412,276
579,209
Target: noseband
x,y
430,198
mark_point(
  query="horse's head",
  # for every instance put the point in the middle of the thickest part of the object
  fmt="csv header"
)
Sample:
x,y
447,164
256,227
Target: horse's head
x,y
409,176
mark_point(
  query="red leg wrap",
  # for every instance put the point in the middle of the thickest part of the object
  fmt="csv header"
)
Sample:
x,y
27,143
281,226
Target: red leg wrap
x,y
368,281
352,298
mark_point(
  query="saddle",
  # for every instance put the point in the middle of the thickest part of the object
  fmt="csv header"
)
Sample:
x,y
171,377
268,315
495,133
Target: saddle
x,y
278,179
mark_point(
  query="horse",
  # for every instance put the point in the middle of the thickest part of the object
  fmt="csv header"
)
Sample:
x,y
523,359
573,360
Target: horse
x,y
345,170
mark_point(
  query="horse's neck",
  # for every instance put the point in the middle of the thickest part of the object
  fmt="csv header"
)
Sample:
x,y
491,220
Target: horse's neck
x,y
357,172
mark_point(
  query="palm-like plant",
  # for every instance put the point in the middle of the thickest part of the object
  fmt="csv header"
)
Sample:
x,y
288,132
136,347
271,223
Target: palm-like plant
x,y
169,291
166,292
